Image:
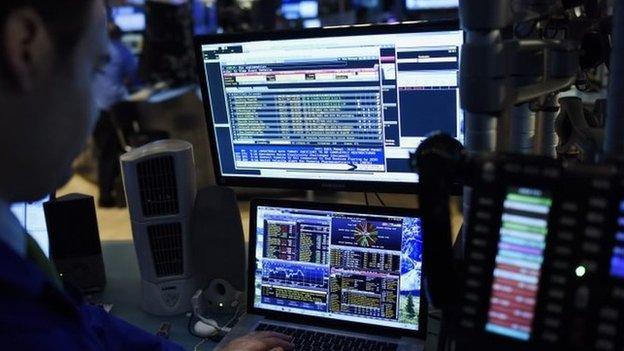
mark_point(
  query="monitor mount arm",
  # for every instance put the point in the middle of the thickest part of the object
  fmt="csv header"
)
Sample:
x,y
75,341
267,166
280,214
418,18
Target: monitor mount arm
x,y
499,71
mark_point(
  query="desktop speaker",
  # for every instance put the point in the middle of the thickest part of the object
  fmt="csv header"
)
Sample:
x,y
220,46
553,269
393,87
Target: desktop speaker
x,y
74,240
160,186
218,238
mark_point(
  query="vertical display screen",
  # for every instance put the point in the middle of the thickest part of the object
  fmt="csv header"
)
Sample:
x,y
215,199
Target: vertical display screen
x,y
519,262
617,260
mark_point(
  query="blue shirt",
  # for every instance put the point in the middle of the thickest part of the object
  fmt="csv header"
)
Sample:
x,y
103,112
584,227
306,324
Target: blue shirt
x,y
35,315
120,72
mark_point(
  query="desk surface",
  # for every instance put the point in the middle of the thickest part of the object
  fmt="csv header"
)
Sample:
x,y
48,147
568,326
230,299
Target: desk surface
x,y
123,290
124,281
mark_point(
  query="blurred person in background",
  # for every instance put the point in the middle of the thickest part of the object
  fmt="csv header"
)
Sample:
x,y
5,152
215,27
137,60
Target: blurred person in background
x,y
112,84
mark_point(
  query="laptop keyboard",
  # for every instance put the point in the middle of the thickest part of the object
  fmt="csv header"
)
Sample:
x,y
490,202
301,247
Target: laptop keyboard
x,y
310,340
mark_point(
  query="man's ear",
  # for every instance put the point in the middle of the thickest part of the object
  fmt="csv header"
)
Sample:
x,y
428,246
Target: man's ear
x,y
27,47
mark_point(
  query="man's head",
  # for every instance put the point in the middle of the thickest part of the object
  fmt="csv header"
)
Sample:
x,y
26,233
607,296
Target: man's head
x,y
50,51
114,32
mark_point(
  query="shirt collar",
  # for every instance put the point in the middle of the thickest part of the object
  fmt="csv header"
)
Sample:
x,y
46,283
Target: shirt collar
x,y
11,231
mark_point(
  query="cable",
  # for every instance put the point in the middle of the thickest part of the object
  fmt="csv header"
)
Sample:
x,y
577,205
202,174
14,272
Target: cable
x,y
196,348
215,338
189,328
222,330
237,315
380,200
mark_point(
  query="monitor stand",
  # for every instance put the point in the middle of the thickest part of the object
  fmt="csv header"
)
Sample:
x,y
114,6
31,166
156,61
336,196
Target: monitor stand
x,y
243,193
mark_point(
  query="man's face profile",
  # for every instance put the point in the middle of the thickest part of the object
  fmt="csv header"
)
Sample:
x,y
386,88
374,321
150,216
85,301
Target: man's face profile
x,y
47,98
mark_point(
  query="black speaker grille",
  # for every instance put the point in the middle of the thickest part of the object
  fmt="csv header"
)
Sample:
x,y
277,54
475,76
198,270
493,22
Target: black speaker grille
x,y
167,249
157,186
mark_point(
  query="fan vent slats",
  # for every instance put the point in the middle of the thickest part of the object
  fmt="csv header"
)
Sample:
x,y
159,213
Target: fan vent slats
x,y
158,187
167,249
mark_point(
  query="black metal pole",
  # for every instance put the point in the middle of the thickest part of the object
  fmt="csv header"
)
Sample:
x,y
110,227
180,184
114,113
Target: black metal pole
x,y
614,141
546,139
521,130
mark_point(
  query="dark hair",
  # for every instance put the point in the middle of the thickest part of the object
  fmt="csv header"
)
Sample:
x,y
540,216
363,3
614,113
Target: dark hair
x,y
114,32
66,19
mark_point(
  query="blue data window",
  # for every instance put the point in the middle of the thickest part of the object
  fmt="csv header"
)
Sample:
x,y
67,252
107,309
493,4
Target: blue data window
x,y
335,108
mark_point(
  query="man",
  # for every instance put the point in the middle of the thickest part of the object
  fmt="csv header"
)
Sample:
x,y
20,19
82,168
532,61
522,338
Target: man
x,y
50,52
111,86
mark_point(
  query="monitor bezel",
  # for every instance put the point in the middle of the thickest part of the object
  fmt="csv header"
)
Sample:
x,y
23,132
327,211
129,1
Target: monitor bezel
x,y
320,321
301,183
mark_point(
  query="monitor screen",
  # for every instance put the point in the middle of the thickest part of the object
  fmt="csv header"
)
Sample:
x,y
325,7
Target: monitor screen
x,y
346,108
129,18
299,9
519,263
312,23
32,218
349,266
431,4
617,259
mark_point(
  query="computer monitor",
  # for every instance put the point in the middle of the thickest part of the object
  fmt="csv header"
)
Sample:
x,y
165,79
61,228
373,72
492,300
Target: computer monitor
x,y
414,5
332,108
32,218
129,18
299,9
343,264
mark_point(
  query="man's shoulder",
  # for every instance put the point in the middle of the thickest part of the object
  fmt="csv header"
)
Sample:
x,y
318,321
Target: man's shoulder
x,y
26,290
34,314
25,325
18,273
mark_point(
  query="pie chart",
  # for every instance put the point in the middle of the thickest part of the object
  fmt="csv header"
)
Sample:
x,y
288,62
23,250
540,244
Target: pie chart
x,y
366,234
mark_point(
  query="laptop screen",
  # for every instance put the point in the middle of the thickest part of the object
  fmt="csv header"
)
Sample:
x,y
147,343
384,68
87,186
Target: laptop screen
x,y
32,217
348,266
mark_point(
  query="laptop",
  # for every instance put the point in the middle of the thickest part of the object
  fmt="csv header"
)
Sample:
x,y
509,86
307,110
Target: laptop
x,y
335,277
